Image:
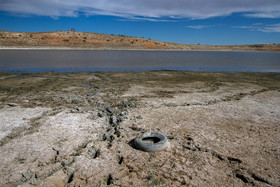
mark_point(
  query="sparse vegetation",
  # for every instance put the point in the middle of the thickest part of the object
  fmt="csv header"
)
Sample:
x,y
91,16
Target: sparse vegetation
x,y
257,45
65,40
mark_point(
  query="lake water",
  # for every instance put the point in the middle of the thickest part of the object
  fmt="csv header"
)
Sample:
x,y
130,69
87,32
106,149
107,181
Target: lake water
x,y
125,60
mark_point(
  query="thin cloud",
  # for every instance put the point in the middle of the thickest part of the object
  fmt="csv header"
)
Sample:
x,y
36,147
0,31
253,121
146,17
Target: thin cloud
x,y
271,28
198,26
271,14
134,18
261,27
257,24
149,9
245,27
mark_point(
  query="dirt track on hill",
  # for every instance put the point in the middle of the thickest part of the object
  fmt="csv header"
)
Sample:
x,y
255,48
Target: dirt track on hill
x,y
77,129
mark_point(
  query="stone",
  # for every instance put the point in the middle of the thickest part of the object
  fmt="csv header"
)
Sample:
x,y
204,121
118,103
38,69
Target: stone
x,y
12,104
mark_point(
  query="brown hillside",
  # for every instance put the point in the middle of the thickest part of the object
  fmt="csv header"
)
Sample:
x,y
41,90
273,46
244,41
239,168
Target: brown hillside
x,y
80,40
73,39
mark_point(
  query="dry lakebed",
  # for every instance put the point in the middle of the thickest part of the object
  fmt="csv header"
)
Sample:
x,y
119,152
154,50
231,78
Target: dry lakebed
x,y
77,129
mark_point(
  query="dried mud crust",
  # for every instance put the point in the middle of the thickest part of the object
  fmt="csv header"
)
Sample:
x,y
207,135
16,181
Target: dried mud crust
x,y
77,129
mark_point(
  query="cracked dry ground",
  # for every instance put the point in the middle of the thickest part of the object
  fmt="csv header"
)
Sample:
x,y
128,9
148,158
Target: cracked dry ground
x,y
76,129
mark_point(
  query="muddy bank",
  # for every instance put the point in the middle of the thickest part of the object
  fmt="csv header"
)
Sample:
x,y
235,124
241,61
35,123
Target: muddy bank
x,y
71,129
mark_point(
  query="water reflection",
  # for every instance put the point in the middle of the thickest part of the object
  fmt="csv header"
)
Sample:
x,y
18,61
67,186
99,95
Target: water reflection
x,y
136,60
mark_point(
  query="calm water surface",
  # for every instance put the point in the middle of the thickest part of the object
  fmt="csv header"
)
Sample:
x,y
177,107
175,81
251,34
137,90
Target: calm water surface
x,y
122,60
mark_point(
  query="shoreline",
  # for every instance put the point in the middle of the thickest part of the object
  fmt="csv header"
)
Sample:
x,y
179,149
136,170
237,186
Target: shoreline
x,y
128,49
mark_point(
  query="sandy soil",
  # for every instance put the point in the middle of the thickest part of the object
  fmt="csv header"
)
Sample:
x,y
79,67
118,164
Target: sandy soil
x,y
76,129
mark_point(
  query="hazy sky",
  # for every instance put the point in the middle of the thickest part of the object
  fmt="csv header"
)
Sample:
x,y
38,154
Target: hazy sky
x,y
183,21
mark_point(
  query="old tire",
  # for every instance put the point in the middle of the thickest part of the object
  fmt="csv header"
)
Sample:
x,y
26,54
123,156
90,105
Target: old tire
x,y
150,147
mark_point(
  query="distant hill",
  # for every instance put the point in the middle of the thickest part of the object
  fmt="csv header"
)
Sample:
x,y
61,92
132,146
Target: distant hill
x,y
73,39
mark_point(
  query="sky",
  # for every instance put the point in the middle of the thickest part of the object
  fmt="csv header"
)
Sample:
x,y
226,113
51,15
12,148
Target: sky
x,y
212,22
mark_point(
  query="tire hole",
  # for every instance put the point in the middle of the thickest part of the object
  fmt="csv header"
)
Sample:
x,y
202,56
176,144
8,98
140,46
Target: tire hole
x,y
151,140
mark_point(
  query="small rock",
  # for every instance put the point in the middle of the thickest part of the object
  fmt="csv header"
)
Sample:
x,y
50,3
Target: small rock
x,y
113,120
118,133
100,114
26,176
37,103
92,117
102,137
109,110
120,119
137,129
123,113
12,104
93,153
79,109
139,117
